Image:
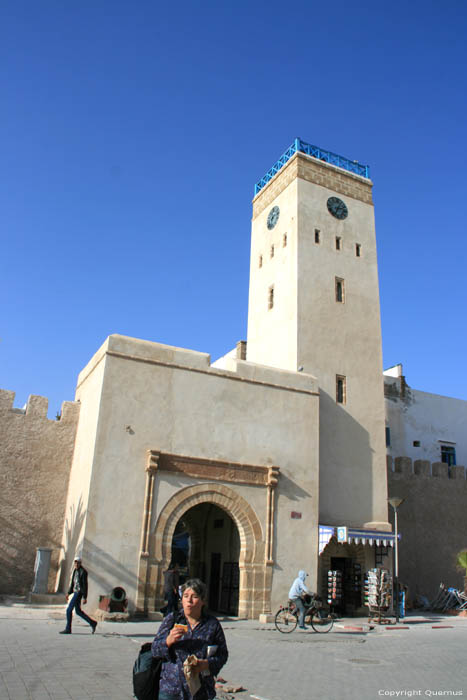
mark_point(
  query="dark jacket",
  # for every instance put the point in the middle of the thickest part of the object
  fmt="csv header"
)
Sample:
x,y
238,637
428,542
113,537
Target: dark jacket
x,y
208,632
171,581
82,580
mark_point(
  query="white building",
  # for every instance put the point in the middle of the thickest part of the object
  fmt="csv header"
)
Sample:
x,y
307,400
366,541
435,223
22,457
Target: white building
x,y
421,425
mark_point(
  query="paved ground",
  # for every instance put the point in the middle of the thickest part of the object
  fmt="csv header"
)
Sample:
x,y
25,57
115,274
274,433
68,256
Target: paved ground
x,y
426,660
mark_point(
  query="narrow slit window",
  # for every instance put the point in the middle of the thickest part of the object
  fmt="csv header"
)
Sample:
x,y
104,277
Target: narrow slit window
x,y
271,297
317,235
358,250
341,391
339,290
338,243
272,251
284,240
260,261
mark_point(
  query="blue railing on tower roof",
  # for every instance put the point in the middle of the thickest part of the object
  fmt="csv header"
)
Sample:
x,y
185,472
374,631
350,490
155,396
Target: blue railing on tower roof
x,y
352,166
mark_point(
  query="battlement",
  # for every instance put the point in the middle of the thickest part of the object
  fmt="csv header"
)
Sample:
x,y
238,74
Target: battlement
x,y
37,406
424,468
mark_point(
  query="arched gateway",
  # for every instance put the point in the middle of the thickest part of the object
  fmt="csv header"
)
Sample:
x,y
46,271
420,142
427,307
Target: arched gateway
x,y
255,559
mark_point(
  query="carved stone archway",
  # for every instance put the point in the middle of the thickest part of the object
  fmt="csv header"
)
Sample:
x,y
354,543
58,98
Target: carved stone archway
x,y
256,541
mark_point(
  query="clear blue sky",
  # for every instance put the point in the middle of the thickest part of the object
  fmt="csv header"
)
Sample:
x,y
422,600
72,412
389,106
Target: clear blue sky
x,y
132,134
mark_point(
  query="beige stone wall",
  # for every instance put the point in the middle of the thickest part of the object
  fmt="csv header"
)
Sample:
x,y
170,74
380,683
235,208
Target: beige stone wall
x,y
88,392
343,339
432,522
35,461
272,332
239,422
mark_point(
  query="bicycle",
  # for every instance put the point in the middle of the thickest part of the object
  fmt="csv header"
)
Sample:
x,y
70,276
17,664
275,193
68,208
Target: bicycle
x,y
286,619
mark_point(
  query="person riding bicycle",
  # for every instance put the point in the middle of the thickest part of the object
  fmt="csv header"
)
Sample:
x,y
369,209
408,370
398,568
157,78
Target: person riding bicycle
x,y
295,594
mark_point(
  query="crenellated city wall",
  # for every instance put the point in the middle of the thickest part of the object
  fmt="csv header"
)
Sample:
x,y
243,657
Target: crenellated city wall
x,y
35,462
432,521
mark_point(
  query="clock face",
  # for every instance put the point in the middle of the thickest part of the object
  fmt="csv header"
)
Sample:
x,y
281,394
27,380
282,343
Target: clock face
x,y
337,208
273,217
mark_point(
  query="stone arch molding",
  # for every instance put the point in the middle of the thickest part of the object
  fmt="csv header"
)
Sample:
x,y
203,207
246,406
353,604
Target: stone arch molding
x,y
252,546
255,564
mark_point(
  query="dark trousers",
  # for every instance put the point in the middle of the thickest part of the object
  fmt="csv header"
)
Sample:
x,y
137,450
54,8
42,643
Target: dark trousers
x,y
75,604
172,602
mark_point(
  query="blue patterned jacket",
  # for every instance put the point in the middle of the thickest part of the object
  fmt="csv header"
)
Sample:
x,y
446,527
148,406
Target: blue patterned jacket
x,y
208,632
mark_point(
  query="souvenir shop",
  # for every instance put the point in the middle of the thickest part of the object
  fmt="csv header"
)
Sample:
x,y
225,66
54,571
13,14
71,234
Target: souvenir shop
x,y
355,570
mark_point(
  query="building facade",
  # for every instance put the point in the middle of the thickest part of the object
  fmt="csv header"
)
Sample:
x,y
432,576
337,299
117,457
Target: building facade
x,y
269,460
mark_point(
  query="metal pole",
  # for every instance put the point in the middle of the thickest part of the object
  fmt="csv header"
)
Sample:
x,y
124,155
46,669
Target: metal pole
x,y
396,568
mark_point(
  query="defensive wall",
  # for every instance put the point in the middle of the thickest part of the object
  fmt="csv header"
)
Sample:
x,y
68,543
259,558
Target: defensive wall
x,y
35,463
432,522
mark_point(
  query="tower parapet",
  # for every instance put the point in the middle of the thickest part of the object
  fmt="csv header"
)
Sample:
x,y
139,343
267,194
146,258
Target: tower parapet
x,y
299,146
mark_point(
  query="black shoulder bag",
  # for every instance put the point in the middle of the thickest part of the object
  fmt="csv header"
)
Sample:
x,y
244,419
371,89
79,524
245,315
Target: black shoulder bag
x,y
146,673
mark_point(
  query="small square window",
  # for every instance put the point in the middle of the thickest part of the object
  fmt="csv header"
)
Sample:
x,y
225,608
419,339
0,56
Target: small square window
x,y
358,250
271,297
416,443
260,261
341,389
317,235
272,251
284,240
338,243
339,290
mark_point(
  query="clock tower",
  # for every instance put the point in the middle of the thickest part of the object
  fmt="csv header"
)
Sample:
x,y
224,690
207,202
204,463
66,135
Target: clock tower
x,y
314,307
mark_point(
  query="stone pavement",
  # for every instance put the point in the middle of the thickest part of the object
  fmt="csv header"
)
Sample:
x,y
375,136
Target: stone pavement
x,y
352,661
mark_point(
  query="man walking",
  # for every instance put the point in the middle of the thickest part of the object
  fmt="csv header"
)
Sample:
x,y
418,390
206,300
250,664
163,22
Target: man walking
x,y
79,593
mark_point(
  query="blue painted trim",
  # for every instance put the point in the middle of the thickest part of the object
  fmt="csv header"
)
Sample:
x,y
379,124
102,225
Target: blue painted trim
x,y
352,166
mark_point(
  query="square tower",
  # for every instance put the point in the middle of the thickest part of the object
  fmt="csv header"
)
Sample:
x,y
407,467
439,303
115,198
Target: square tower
x,y
314,304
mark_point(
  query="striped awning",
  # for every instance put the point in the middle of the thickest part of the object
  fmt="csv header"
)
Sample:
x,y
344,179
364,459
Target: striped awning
x,y
360,536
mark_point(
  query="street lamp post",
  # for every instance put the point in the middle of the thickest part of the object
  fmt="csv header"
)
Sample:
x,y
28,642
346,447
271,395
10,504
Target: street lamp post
x,y
395,502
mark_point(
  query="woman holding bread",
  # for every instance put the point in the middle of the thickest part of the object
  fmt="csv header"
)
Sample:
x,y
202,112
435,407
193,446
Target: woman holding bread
x,y
192,644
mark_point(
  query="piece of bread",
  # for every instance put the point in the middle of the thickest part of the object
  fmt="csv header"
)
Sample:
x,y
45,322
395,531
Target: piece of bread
x,y
181,627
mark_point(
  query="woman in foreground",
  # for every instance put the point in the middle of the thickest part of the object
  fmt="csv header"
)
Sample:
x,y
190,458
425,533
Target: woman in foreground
x,y
191,631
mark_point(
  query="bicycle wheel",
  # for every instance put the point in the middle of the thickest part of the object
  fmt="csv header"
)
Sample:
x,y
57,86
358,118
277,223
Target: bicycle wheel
x,y
321,621
285,621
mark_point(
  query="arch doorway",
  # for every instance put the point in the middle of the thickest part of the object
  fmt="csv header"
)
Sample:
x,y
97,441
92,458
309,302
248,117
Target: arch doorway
x,y
206,545
255,567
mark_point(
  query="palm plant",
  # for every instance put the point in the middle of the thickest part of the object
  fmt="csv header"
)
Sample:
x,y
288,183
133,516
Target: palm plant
x,y
462,564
